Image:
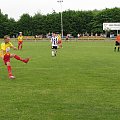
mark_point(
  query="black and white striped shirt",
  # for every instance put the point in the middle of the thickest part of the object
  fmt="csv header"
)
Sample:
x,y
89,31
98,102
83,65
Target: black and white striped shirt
x,y
54,41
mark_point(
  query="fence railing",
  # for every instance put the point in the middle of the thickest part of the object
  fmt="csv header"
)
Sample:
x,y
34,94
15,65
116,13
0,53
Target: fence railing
x,y
27,38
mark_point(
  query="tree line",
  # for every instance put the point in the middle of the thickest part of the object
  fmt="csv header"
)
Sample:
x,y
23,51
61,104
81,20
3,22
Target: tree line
x,y
74,22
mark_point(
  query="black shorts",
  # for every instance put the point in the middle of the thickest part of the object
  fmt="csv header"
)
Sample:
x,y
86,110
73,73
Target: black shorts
x,y
54,47
117,43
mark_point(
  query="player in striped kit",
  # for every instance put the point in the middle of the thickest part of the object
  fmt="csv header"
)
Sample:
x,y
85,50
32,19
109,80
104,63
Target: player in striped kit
x,y
54,41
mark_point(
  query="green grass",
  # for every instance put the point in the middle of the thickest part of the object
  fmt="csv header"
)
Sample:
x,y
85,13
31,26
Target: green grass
x,y
81,83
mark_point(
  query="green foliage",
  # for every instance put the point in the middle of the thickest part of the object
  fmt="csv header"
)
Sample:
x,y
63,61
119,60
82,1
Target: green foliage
x,y
74,22
24,24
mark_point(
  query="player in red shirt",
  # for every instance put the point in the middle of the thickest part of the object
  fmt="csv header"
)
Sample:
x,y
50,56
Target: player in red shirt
x,y
117,43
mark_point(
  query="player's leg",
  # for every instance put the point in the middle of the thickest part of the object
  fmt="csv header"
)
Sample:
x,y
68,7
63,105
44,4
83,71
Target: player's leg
x,y
116,45
53,53
26,60
115,48
11,76
55,50
60,43
118,48
21,45
18,45
7,63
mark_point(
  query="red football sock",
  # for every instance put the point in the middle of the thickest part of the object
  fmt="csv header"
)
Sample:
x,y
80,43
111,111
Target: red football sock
x,y
18,47
9,70
18,58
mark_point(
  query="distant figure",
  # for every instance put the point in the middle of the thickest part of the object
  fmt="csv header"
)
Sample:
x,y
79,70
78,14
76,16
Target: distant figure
x,y
54,41
91,34
78,35
67,38
96,35
59,41
20,41
117,43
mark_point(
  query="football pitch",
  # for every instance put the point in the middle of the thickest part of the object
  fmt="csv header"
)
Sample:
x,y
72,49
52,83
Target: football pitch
x,y
81,83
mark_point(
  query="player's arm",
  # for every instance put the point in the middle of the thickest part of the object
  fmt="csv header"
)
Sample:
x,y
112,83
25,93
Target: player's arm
x,y
2,53
2,50
14,47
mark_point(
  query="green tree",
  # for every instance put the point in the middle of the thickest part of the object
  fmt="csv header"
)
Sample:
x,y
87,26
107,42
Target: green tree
x,y
25,24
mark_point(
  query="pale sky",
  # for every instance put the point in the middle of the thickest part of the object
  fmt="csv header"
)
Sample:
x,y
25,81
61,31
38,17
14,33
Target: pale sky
x,y
15,8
